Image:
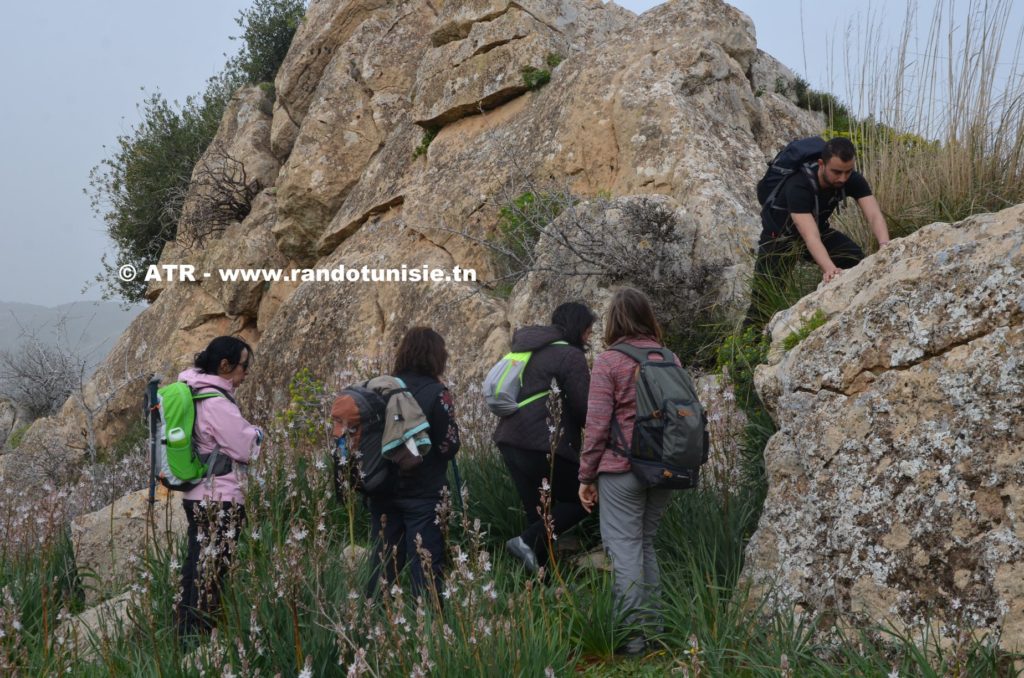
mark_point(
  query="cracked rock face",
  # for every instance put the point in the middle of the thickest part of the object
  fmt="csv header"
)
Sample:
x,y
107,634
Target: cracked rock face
x,y
668,106
896,479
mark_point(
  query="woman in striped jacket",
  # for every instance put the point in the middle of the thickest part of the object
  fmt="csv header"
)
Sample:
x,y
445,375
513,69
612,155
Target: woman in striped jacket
x,y
630,511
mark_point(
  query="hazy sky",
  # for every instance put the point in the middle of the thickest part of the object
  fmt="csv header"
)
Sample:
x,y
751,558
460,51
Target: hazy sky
x,y
73,80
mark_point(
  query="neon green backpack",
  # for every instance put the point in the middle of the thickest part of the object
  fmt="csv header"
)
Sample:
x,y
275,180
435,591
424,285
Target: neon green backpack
x,y
504,381
178,465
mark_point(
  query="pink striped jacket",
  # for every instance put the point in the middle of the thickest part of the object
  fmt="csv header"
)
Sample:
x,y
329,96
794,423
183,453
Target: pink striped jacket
x,y
612,393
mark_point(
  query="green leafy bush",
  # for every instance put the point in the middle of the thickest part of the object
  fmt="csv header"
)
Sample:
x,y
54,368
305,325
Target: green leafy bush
x,y
428,136
267,31
738,356
303,420
138,190
17,435
535,78
520,223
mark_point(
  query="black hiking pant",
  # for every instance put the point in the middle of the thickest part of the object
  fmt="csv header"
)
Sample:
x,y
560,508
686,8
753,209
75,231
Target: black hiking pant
x,y
776,257
528,469
212,538
395,522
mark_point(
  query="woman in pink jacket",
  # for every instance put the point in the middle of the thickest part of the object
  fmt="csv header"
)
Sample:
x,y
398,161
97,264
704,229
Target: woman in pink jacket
x,y
215,506
630,511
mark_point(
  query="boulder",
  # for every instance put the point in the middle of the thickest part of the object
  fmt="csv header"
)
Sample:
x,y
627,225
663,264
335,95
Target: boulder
x,y
326,26
99,625
895,492
109,543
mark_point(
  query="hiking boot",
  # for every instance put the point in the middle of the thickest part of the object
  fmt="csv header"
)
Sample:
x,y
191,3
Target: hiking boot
x,y
634,647
523,553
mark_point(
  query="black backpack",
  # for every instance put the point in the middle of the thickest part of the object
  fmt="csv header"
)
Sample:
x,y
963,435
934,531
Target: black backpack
x,y
670,437
798,157
363,410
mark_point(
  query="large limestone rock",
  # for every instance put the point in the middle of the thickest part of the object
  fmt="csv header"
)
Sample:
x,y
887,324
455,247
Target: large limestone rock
x,y
361,95
97,626
327,25
110,543
662,104
895,480
481,47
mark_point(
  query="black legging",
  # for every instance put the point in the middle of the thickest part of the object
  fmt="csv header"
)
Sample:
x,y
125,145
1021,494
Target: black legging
x,y
202,576
528,469
776,257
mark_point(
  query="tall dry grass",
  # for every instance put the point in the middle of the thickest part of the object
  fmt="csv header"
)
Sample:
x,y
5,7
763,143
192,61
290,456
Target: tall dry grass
x,y
940,113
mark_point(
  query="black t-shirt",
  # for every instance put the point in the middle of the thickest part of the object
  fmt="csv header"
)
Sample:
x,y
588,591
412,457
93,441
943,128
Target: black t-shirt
x,y
797,196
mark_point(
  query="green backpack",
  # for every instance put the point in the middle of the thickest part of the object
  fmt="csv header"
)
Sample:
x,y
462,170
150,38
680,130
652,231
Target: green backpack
x,y
178,466
670,437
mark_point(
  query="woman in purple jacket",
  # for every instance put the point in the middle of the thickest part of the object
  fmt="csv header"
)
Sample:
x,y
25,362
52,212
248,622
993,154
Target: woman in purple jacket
x,y
215,506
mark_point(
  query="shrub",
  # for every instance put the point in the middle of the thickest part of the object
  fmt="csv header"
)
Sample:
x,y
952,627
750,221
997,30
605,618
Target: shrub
x,y
520,224
535,78
428,136
304,419
738,356
553,59
138,191
267,31
17,435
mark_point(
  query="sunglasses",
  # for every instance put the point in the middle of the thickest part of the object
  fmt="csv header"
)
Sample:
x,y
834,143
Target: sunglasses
x,y
244,366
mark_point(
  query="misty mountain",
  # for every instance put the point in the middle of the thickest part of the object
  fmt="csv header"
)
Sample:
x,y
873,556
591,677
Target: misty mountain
x,y
89,328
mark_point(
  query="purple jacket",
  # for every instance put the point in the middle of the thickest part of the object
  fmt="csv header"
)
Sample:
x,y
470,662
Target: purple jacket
x,y
219,423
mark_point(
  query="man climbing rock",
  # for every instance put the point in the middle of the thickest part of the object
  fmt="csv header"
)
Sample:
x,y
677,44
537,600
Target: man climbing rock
x,y
805,184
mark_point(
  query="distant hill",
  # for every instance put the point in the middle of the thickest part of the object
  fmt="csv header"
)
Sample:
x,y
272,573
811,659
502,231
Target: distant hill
x,y
90,328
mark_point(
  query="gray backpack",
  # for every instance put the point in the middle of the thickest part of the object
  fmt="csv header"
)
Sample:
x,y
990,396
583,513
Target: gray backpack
x,y
670,436
504,382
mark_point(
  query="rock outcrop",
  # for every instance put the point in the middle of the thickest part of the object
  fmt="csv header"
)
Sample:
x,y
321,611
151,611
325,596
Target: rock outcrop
x,y
896,490
110,543
673,103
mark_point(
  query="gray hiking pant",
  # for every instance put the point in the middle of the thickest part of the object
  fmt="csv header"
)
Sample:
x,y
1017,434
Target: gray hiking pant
x,y
629,515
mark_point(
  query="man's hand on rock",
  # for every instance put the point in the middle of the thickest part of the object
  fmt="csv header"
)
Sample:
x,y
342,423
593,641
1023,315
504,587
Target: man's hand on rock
x,y
831,274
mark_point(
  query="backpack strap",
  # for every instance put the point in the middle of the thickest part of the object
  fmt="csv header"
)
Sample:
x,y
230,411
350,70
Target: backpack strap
x,y
807,170
640,354
540,394
196,395
213,459
619,444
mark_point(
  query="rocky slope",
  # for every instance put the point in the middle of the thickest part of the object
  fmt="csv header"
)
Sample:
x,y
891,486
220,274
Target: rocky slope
x,y
896,490
678,103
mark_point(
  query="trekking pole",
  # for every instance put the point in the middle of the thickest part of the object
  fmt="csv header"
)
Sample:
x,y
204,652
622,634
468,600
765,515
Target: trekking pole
x,y
151,407
458,485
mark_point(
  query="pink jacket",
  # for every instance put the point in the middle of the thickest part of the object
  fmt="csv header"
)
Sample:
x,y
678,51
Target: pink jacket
x,y
612,393
219,423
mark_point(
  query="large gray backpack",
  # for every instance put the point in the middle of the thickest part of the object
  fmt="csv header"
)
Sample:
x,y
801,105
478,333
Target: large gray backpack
x,y
670,436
